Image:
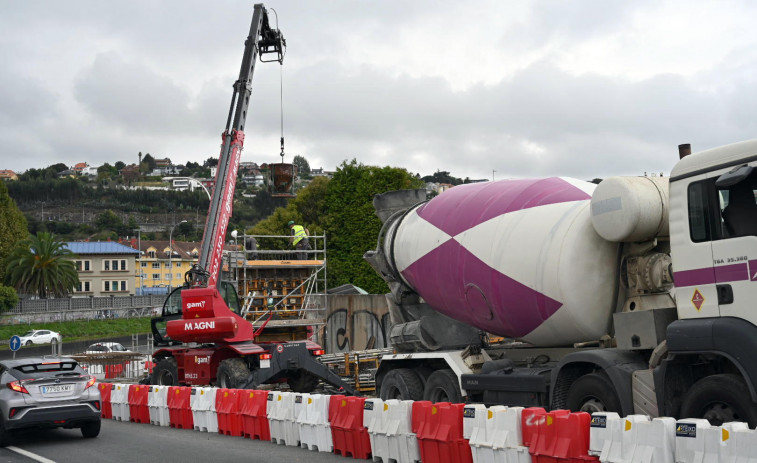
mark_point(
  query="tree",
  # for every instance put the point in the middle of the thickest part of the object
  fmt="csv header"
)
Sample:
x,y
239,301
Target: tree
x,y
8,298
42,266
342,208
120,165
211,162
149,163
12,227
303,167
352,225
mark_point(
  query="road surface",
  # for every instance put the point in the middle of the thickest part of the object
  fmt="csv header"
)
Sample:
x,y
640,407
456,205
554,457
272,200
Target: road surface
x,y
141,443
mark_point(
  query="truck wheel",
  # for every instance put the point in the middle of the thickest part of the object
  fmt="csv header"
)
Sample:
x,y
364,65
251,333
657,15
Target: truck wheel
x,y
592,393
232,373
442,386
166,373
401,384
303,382
720,399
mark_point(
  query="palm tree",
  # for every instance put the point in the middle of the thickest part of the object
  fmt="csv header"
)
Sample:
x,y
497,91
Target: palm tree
x,y
43,266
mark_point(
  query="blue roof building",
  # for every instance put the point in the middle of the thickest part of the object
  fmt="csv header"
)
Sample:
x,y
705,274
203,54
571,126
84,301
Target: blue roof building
x,y
105,268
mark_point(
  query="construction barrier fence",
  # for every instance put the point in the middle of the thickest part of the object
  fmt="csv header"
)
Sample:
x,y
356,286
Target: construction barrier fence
x,y
400,431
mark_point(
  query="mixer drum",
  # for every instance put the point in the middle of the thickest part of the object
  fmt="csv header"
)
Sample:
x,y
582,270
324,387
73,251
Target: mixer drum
x,y
517,258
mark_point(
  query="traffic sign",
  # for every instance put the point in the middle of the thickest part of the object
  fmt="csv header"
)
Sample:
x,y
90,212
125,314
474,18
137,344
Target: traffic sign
x,y
15,343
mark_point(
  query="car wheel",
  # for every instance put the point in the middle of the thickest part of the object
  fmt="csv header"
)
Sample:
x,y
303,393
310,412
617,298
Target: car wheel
x,y
592,393
720,399
29,343
232,373
3,435
166,372
401,384
91,429
442,386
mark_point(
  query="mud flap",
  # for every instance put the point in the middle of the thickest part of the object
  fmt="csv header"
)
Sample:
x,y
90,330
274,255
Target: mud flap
x,y
294,356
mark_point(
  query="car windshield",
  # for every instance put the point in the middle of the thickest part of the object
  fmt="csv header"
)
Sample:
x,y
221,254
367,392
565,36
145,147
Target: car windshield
x,y
43,369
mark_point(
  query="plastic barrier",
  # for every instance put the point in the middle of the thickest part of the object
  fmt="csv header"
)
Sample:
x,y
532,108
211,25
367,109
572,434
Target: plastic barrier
x,y
562,437
690,440
600,432
744,444
479,430
202,402
281,416
494,434
138,409
718,445
114,371
157,403
107,409
531,419
347,431
439,429
313,422
402,441
179,413
119,400
623,439
374,419
253,412
227,412
655,441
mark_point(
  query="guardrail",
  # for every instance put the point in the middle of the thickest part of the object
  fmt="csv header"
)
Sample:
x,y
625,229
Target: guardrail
x,y
83,308
29,306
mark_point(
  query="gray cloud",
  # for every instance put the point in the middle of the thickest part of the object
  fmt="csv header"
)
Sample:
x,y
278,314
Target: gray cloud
x,y
467,88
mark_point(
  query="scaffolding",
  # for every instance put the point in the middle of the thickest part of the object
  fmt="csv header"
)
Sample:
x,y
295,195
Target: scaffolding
x,y
282,292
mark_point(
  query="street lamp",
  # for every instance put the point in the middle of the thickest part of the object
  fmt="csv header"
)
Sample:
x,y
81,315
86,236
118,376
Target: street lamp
x,y
170,255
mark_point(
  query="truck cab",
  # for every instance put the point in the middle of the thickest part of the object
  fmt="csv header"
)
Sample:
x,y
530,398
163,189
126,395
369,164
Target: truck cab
x,y
713,229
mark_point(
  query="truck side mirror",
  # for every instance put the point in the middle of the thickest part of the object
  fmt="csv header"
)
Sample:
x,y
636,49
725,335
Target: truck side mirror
x,y
734,176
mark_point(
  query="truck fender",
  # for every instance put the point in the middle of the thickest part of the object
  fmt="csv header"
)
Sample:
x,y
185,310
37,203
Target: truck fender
x,y
618,365
732,338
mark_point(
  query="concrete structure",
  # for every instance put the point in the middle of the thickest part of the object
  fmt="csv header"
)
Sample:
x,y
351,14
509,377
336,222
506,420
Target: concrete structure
x,y
105,268
356,322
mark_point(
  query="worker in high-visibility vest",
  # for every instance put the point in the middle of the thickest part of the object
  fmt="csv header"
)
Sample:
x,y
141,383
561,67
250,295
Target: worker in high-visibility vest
x,y
299,239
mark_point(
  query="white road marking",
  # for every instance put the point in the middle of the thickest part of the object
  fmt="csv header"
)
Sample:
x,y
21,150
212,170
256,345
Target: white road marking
x,y
31,455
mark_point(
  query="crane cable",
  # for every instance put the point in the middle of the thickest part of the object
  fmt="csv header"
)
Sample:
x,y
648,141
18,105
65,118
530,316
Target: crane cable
x,y
281,106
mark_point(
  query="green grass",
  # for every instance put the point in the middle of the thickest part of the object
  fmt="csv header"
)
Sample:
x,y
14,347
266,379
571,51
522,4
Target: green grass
x,y
82,329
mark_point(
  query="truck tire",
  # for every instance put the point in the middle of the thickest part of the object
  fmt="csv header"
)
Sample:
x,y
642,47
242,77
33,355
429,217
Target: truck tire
x,y
593,393
720,399
91,429
401,384
303,381
232,373
442,386
165,373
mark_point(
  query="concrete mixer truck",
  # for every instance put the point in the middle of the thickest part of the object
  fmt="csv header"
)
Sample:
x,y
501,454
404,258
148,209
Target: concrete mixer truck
x,y
636,295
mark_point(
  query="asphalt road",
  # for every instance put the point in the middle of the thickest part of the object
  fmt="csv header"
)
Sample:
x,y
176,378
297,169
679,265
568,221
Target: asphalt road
x,y
140,443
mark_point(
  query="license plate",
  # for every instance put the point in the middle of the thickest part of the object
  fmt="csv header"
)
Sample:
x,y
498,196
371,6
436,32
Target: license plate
x,y
57,388
265,364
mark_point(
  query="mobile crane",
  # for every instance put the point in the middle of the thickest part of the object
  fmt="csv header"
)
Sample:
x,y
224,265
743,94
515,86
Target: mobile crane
x,y
204,340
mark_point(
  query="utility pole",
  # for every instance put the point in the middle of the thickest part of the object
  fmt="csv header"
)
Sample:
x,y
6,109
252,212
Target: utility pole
x,y
493,174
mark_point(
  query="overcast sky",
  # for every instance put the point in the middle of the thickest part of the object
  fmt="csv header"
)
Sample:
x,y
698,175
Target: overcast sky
x,y
524,88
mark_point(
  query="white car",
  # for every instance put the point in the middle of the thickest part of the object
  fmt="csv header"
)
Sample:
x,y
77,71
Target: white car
x,y
40,337
102,347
